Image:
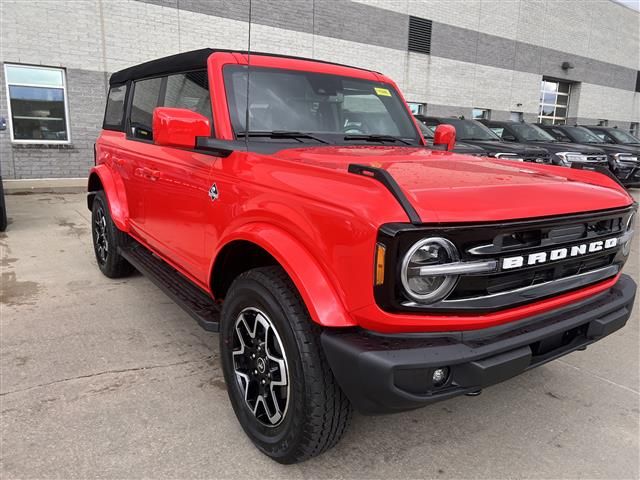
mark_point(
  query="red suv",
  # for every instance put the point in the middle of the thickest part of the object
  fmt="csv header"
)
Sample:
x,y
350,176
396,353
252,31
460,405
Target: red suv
x,y
293,206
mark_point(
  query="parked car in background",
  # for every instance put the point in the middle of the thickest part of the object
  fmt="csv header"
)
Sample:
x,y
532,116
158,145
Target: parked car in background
x,y
460,147
614,135
623,159
562,153
475,133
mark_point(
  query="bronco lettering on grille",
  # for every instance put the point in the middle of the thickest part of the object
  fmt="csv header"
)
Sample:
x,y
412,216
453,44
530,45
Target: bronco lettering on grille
x,y
558,254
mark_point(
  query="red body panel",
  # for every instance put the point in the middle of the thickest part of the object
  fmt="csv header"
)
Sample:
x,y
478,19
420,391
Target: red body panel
x,y
319,221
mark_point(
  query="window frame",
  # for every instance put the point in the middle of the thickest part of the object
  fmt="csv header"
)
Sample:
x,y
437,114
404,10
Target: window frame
x,y
111,126
65,99
554,117
162,94
486,113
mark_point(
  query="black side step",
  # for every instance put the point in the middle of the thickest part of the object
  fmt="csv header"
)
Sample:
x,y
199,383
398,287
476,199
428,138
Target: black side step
x,y
192,299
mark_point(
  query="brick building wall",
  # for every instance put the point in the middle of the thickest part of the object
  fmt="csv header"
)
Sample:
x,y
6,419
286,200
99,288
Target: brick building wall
x,y
489,54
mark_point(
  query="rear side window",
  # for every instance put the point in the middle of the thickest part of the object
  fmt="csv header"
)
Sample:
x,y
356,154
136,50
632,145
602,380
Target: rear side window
x,y
146,94
191,91
114,113
560,135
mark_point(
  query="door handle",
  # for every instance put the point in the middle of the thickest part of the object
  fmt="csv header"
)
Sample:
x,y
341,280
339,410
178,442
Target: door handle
x,y
148,173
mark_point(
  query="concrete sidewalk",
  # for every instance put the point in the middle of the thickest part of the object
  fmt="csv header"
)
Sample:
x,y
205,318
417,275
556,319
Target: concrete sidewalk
x,y
109,378
44,185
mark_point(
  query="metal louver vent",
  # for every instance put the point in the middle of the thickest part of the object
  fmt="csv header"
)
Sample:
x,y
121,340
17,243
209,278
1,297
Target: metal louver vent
x,y
420,35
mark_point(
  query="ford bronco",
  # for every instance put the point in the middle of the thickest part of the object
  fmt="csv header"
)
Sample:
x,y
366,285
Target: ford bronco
x,y
293,206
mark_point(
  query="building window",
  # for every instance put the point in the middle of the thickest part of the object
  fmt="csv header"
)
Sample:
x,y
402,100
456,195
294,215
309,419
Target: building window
x,y
603,123
516,117
481,114
554,102
38,107
633,129
417,108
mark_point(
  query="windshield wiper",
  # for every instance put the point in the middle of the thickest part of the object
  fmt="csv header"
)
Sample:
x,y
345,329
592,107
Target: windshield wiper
x,y
282,134
377,138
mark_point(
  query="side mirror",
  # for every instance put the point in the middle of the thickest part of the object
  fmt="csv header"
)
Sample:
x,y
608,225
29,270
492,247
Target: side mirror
x,y
445,135
179,127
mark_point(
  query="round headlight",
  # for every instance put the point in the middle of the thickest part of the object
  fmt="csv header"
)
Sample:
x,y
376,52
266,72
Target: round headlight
x,y
426,253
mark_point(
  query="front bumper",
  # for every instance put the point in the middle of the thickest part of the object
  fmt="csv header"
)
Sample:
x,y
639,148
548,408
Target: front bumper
x,y
392,373
628,174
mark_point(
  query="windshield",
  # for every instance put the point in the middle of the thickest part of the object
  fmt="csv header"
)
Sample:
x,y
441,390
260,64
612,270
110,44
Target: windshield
x,y
623,137
327,106
582,135
531,133
471,130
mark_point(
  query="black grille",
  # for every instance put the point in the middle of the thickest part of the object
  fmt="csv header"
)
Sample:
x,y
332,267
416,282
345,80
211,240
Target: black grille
x,y
506,288
420,35
537,158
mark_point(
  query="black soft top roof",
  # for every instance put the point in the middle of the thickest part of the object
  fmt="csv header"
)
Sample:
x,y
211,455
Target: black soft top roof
x,y
193,60
180,62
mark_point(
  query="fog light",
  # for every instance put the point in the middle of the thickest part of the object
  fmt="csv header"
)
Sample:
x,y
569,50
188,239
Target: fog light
x,y
440,376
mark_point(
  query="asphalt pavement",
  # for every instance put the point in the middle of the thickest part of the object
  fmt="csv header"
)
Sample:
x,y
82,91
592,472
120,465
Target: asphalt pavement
x,y
105,378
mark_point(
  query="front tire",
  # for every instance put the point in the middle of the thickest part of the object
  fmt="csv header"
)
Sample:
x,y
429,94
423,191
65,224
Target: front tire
x,y
279,382
107,239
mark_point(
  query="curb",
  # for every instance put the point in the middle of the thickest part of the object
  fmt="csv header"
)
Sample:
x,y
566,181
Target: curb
x,y
45,185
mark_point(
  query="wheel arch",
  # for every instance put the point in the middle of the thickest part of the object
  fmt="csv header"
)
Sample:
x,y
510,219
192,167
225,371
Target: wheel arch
x,y
101,179
269,245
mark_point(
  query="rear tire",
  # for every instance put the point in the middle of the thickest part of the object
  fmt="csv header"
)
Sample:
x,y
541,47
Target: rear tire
x,y
309,414
107,239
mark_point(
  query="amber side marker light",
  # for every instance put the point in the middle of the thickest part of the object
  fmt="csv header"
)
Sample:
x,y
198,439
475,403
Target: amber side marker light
x,y
380,251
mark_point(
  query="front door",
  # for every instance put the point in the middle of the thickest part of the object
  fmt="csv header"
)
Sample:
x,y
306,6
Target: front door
x,y
177,181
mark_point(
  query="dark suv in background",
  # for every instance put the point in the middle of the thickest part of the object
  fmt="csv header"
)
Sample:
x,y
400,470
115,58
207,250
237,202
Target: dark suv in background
x,y
614,135
460,147
475,133
623,159
562,153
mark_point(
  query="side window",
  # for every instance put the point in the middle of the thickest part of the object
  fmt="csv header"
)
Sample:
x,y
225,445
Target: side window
x,y
145,100
560,135
114,113
508,136
497,130
191,91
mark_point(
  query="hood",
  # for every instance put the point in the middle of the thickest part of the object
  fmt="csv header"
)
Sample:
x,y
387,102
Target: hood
x,y
467,148
617,148
448,187
507,147
554,147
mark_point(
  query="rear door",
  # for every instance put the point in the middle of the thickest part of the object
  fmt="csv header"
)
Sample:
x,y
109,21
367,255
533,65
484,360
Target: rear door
x,y
178,182
112,149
